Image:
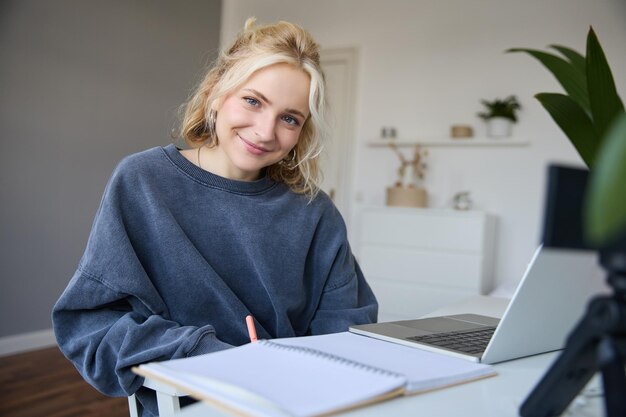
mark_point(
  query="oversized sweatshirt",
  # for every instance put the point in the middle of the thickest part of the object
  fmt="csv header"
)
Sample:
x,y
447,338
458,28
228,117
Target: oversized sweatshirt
x,y
178,257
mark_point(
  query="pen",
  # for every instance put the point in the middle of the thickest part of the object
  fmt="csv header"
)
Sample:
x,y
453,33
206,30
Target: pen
x,y
251,328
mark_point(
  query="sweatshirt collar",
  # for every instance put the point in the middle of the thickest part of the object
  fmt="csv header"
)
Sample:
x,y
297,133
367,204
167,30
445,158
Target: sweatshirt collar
x,y
209,179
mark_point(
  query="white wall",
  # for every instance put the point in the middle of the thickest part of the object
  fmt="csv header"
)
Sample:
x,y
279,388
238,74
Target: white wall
x,y
425,65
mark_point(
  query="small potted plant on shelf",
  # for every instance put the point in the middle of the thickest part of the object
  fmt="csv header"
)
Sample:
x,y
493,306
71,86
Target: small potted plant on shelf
x,y
500,116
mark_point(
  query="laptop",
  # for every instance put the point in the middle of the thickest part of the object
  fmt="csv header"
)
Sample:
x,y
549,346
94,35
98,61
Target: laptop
x,y
551,297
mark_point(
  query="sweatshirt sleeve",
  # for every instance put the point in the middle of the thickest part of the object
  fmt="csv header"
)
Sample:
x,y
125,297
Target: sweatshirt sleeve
x,y
105,332
346,297
345,303
112,316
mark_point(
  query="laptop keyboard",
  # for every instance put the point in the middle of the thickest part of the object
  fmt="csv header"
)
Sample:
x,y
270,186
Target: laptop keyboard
x,y
469,341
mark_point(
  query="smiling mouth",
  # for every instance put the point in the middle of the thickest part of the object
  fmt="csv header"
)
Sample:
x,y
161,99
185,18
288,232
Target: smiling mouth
x,y
254,147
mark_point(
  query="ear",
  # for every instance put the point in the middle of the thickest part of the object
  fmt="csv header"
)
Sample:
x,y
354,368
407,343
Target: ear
x,y
217,104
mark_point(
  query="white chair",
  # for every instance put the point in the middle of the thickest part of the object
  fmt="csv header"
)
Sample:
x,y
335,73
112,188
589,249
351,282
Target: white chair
x,y
167,399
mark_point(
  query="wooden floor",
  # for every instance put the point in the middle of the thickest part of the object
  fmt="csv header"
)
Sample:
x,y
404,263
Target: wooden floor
x,y
43,383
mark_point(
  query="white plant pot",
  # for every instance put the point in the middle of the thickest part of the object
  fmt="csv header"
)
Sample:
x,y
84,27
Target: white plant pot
x,y
499,127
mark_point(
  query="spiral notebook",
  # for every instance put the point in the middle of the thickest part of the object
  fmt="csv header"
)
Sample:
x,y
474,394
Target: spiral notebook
x,y
311,376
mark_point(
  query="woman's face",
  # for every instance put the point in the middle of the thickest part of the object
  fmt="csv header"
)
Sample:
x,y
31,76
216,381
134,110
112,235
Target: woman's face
x,y
258,124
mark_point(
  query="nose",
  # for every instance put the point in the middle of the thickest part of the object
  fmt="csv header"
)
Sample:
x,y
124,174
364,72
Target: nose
x,y
265,127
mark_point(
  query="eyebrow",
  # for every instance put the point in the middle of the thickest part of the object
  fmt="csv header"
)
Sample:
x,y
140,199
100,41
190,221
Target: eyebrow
x,y
265,99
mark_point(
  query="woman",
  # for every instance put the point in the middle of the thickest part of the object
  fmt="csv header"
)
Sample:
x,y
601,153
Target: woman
x,y
187,243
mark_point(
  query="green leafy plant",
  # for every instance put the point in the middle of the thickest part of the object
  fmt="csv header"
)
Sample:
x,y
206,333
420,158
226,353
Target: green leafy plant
x,y
506,108
592,116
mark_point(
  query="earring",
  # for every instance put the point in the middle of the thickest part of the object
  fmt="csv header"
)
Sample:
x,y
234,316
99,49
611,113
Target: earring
x,y
211,120
291,162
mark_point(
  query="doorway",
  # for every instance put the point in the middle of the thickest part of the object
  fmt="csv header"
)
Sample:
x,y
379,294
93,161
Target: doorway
x,y
337,160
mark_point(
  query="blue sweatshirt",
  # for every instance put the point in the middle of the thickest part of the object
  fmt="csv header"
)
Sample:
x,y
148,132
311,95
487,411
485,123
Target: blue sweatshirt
x,y
177,257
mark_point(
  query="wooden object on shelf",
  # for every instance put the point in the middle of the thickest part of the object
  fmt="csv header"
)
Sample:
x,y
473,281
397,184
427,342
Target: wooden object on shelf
x,y
406,197
418,260
461,132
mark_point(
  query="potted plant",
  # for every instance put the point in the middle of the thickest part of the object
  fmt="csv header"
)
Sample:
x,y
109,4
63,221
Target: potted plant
x,y
500,116
592,116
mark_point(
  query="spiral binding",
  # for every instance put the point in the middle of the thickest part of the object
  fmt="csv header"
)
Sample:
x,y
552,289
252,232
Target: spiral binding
x,y
331,357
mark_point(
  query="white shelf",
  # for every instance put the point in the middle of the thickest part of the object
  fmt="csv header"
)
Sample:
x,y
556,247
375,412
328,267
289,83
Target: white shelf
x,y
475,141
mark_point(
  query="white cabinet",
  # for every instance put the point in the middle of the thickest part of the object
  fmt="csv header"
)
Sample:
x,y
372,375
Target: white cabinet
x,y
418,260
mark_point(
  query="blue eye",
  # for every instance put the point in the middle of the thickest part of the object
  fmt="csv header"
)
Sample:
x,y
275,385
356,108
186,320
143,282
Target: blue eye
x,y
291,120
251,101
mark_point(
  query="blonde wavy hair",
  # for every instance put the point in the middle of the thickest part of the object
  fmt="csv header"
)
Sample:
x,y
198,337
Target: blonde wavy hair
x,y
253,49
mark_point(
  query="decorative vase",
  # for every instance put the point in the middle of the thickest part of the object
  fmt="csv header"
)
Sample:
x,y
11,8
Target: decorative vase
x,y
406,197
499,127
462,201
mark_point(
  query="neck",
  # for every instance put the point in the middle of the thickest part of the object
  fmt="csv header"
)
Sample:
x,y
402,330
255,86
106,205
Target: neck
x,y
217,162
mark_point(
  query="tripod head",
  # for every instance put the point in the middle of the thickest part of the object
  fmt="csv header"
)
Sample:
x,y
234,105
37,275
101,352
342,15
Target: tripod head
x,y
613,260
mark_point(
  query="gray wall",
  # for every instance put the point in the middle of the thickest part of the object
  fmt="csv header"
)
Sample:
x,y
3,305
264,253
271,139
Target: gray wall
x,y
82,84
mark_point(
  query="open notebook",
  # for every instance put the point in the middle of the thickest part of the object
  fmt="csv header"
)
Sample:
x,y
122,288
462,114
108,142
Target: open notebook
x,y
311,376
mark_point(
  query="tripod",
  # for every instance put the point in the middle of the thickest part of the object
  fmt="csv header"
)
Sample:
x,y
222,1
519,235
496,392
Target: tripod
x,y
597,343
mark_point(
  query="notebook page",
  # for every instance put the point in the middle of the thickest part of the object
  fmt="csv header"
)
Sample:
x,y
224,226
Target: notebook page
x,y
424,370
227,397
300,383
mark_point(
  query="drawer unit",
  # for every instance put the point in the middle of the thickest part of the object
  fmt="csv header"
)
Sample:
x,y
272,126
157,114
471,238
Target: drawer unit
x,y
418,260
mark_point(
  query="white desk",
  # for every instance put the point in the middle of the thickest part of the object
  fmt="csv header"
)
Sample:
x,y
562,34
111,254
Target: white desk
x,y
499,396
